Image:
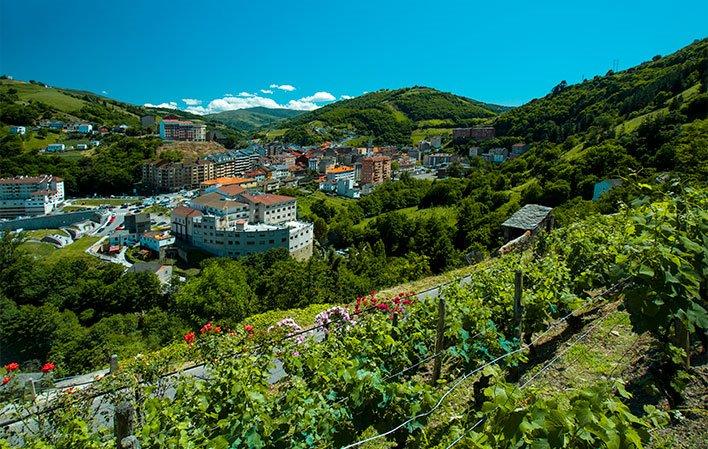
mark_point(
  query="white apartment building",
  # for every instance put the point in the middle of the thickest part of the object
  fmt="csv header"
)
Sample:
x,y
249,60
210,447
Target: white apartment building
x,y
237,224
30,195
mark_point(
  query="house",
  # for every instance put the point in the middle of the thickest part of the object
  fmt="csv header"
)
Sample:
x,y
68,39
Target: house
x,y
156,240
84,128
519,148
19,130
123,237
498,155
531,217
162,271
474,152
82,146
137,223
95,143
603,186
51,148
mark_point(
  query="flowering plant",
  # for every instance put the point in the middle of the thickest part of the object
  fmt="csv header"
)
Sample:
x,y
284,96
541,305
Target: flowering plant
x,y
337,313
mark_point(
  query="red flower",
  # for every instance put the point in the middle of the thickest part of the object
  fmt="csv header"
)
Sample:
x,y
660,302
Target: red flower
x,y
382,306
5,380
206,328
12,366
47,367
189,337
248,328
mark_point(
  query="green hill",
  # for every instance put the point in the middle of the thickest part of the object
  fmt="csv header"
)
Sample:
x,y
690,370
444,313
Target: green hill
x,y
26,102
252,118
389,116
605,102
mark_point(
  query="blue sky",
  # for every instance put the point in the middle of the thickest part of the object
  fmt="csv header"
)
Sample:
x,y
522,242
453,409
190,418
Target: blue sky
x,y
211,52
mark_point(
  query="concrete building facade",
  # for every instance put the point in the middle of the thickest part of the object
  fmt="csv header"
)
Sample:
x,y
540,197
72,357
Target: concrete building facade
x,y
30,195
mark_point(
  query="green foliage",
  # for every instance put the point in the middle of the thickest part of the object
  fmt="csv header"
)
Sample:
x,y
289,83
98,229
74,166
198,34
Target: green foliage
x,y
669,262
388,115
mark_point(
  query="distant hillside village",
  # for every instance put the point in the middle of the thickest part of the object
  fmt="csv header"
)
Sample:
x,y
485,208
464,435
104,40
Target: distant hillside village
x,y
225,201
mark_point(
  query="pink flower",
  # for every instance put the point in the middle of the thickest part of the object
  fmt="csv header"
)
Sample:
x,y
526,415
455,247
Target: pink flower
x,y
206,328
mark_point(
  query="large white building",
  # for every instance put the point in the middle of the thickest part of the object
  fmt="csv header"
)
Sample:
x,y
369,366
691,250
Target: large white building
x,y
30,195
234,223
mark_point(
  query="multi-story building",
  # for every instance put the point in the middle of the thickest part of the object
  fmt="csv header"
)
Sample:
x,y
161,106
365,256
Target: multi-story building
x,y
234,224
334,174
437,159
375,169
477,133
175,129
233,162
30,195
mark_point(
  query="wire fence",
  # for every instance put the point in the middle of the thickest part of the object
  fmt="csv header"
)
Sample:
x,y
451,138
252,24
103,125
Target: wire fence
x,y
464,377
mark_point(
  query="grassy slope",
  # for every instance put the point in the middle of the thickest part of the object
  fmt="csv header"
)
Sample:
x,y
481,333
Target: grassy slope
x,y
402,105
252,118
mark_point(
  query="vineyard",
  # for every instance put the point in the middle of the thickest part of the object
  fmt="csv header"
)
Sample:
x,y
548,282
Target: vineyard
x,y
467,369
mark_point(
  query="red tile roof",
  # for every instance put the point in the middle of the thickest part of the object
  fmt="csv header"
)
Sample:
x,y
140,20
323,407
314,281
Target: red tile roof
x,y
267,198
231,190
183,211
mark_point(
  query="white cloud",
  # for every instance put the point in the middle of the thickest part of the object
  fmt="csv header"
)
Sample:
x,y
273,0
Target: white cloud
x,y
170,105
104,92
285,87
232,103
266,91
243,100
346,97
191,101
319,97
300,105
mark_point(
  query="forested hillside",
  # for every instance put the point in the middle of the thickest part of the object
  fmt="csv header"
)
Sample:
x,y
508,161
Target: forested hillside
x,y
389,116
251,119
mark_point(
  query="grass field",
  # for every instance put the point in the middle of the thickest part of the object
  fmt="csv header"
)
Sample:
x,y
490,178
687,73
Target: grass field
x,y
422,133
41,233
304,202
50,253
632,124
275,133
47,95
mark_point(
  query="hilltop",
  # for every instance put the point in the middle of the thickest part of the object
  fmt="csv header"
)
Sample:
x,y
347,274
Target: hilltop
x,y
250,119
616,103
388,116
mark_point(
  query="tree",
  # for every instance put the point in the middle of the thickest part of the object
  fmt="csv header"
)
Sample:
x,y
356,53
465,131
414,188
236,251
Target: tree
x,y
220,292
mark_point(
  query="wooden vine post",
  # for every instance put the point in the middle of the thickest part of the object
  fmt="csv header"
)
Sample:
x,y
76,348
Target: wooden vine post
x,y
518,288
113,364
123,423
440,339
